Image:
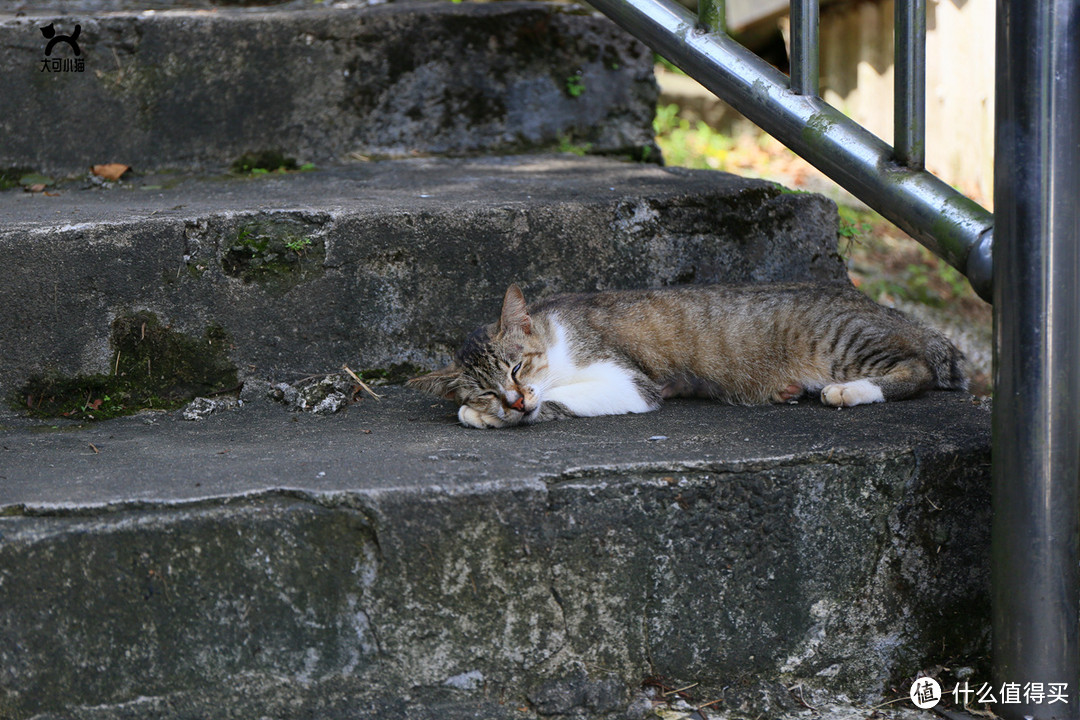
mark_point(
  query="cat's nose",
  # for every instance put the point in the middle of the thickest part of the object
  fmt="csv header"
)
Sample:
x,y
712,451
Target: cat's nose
x,y
518,404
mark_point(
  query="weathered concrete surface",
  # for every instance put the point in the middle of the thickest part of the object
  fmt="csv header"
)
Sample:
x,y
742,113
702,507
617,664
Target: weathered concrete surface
x,y
197,88
402,258
385,562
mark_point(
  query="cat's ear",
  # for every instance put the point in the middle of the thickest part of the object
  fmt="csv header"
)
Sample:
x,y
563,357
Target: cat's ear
x,y
440,382
513,312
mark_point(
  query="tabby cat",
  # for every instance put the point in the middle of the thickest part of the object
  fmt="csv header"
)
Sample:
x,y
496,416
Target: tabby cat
x,y
624,351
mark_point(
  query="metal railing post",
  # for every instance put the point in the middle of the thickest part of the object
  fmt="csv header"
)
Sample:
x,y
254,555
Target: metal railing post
x,y
909,104
712,15
805,73
1036,425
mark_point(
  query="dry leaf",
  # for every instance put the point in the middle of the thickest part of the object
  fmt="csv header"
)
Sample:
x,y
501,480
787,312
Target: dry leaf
x,y
110,171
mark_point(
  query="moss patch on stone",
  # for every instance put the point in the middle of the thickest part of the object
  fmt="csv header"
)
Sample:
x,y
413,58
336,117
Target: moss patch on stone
x,y
15,177
256,163
278,254
154,367
395,374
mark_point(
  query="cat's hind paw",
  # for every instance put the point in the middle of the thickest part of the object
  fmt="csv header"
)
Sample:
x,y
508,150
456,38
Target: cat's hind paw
x,y
856,392
789,394
477,419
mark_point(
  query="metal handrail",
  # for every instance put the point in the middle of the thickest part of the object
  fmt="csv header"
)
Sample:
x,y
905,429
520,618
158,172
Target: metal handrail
x,y
953,226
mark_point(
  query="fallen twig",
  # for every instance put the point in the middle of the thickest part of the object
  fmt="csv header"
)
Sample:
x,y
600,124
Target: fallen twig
x,y
363,385
800,698
888,702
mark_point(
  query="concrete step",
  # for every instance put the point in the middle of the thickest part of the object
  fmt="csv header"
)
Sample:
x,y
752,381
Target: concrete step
x,y
198,88
384,562
371,265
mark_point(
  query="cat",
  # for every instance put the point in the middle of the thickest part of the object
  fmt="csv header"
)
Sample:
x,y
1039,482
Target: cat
x,y
625,351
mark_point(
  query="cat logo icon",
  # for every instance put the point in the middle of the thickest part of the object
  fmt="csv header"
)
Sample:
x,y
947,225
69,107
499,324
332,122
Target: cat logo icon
x,y
50,34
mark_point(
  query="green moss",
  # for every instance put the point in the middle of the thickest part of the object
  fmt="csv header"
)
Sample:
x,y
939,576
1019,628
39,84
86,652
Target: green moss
x,y
265,161
817,130
393,375
568,145
278,254
153,367
575,86
9,177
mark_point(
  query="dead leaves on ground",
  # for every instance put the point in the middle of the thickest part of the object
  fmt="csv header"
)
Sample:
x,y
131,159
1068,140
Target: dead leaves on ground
x,y
110,171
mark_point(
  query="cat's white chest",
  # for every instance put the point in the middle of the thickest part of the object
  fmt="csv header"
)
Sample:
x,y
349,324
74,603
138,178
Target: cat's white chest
x,y
598,388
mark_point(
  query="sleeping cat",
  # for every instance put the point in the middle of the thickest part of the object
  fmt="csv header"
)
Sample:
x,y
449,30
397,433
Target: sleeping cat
x,y
624,351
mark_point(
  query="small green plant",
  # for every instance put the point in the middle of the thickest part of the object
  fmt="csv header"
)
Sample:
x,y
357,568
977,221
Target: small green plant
x,y
19,177
263,163
785,190
854,225
666,119
668,65
567,145
298,245
575,86
693,146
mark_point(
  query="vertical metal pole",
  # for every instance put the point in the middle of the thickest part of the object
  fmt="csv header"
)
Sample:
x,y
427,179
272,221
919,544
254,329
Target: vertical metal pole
x,y
909,83
804,47
712,15
1036,426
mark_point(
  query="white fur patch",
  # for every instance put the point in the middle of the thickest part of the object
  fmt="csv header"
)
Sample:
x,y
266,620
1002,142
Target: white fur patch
x,y
856,392
601,388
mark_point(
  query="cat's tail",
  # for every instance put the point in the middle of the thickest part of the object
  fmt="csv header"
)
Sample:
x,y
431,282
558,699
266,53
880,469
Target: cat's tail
x,y
948,363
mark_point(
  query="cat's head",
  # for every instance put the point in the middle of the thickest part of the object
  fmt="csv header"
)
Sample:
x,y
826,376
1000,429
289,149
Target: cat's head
x,y
494,371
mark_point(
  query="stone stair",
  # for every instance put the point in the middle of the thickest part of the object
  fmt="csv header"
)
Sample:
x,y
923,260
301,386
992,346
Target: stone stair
x,y
197,88
384,562
381,561
395,261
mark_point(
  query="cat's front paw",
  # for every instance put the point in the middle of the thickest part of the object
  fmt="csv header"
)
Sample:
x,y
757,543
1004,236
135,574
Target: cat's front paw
x,y
474,418
856,392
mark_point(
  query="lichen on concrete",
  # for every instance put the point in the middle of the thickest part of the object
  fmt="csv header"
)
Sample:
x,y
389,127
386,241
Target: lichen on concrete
x,y
321,395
